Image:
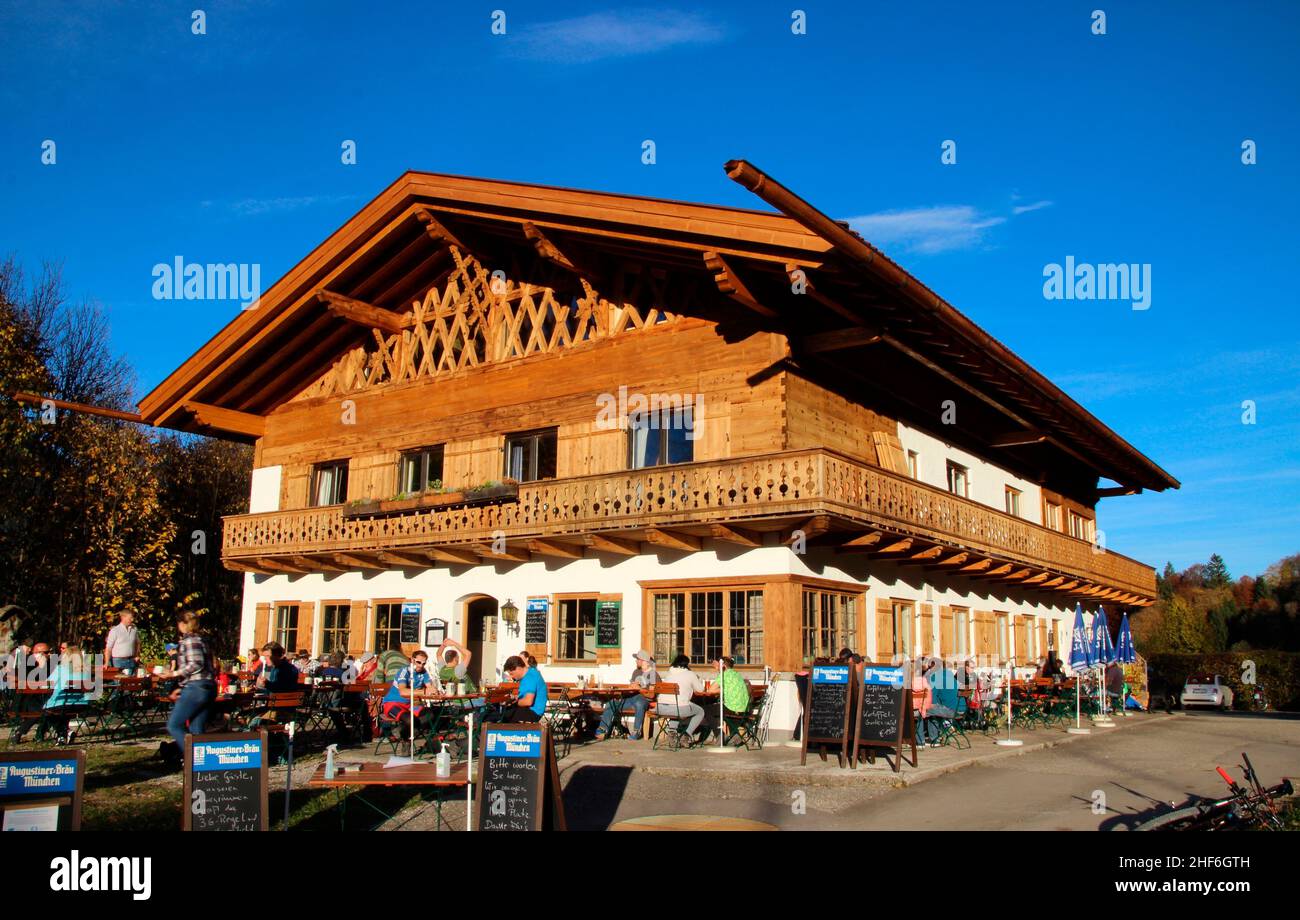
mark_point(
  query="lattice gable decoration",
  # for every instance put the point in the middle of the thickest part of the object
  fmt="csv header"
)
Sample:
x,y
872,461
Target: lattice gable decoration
x,y
474,319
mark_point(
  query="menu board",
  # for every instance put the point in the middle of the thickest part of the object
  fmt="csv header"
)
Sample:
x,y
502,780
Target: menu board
x,y
411,623
225,782
518,787
609,629
535,621
883,709
42,790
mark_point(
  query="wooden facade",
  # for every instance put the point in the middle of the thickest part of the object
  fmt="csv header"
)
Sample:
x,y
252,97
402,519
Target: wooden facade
x,y
452,315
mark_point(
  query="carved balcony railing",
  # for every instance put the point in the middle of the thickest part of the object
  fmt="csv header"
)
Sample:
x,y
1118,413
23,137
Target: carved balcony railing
x,y
780,485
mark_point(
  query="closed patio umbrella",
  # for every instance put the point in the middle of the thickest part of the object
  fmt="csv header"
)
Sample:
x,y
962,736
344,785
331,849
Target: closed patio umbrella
x,y
1080,661
1103,653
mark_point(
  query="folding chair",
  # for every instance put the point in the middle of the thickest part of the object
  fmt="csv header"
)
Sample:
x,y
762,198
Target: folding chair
x,y
671,724
560,713
951,728
746,727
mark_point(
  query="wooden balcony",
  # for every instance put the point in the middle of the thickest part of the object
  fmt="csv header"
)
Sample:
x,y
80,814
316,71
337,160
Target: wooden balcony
x,y
831,499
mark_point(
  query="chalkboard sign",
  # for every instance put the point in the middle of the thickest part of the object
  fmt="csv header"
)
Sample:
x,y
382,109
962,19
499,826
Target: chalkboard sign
x,y
411,623
826,710
225,782
535,621
882,715
518,786
609,627
42,790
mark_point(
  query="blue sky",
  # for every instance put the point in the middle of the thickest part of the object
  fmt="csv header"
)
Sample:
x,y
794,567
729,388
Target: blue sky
x,y
1123,147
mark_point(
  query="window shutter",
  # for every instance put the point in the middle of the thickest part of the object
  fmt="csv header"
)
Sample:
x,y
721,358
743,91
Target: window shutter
x,y
306,623
261,626
884,630
947,646
984,641
1023,625
1042,637
357,627
889,452
927,629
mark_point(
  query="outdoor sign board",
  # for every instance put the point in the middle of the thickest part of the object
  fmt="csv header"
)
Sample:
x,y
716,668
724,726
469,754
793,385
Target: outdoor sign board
x,y
42,790
826,710
225,786
609,628
411,623
883,717
535,620
518,783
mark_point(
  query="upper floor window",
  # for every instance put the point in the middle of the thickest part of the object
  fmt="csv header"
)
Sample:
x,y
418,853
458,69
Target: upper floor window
x,y
330,483
530,455
958,479
913,463
420,469
1080,526
1013,501
1052,515
658,438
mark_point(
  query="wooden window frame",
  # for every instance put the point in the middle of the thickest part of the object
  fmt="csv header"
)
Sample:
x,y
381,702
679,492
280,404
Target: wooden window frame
x,y
1001,636
1011,497
275,630
839,616
914,464
425,455
1052,521
1086,525
535,435
952,466
314,483
375,604
894,603
556,630
346,605
961,634
663,440
688,628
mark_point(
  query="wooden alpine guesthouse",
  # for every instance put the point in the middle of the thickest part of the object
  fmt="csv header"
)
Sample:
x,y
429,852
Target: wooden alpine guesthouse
x,y
584,423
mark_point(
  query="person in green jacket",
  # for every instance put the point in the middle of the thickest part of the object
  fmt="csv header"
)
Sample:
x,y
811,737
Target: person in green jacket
x,y
735,692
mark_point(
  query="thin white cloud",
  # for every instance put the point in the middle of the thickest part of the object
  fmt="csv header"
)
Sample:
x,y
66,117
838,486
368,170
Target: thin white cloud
x,y
927,230
253,207
596,36
1026,208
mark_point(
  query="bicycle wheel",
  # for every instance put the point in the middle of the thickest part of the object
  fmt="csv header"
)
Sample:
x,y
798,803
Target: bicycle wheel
x,y
1182,819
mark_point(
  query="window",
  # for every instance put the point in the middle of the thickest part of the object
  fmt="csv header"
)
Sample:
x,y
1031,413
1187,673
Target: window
x,y
388,626
420,469
901,613
659,438
334,628
958,479
961,631
330,483
1052,516
1001,632
530,455
286,626
913,463
1080,526
706,624
575,629
830,623
1013,501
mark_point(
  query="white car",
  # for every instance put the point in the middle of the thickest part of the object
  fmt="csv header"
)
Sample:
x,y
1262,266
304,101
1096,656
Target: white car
x,y
1207,690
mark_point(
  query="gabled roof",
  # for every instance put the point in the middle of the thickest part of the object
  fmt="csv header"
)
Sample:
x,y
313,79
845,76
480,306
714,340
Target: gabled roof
x,y
396,247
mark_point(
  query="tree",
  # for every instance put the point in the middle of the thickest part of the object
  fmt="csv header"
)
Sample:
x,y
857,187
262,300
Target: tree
x,y
1216,572
1165,581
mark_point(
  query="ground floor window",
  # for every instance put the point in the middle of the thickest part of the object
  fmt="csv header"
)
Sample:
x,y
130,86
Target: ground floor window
x,y
575,629
901,614
334,628
707,624
830,623
961,631
388,626
286,626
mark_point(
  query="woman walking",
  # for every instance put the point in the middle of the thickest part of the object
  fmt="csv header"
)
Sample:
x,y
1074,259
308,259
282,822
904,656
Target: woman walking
x,y
195,672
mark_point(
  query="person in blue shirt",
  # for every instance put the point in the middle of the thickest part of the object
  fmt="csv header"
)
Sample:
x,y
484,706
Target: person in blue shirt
x,y
944,698
280,676
530,704
68,698
409,680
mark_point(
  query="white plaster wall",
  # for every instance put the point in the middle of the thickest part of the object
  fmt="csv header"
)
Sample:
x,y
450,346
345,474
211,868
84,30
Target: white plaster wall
x,y
265,492
987,481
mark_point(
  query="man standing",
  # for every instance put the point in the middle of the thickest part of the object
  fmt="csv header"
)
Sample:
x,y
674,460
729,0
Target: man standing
x,y
644,676
122,647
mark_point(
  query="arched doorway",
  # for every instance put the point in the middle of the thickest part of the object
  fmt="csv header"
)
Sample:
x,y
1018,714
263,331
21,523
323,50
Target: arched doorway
x,y
480,636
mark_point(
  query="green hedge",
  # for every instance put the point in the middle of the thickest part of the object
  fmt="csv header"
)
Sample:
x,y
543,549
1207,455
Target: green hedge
x,y
1277,675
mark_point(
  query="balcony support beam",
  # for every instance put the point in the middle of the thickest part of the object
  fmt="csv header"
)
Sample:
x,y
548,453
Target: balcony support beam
x,y
616,545
360,561
509,554
812,527
455,555
556,549
406,560
671,539
725,533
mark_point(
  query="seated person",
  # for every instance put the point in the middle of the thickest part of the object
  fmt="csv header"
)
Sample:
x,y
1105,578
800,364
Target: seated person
x,y
350,672
409,681
278,675
943,699
645,676
391,663
367,668
531,696
455,664
735,691
331,667
700,723
68,682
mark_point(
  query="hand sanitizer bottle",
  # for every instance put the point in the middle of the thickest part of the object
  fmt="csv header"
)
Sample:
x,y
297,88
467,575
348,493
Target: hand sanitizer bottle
x,y
444,762
330,771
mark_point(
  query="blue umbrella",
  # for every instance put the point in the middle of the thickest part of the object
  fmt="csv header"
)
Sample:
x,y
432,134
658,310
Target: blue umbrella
x,y
1125,653
1080,660
1103,650
1080,647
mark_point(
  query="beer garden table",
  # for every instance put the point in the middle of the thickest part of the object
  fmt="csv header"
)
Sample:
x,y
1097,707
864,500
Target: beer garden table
x,y
368,775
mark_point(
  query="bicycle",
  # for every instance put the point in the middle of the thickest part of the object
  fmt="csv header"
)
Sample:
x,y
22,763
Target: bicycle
x,y
1253,807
